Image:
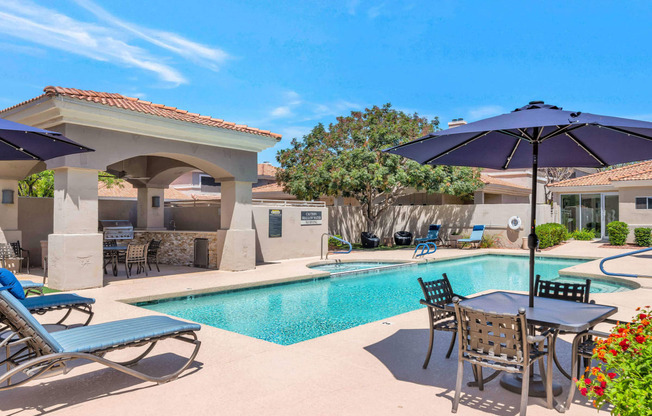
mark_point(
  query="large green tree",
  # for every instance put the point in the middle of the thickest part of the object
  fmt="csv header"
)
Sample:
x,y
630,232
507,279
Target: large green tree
x,y
42,184
347,160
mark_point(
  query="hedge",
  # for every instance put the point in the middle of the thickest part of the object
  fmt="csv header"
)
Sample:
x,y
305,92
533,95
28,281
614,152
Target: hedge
x,y
583,235
643,236
618,231
551,234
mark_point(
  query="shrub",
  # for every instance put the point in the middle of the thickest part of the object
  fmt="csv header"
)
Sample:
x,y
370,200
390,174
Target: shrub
x,y
583,235
623,376
643,236
551,234
489,241
618,231
334,244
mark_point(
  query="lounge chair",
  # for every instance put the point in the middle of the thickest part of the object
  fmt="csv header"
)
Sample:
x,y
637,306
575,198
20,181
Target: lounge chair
x,y
433,235
476,236
31,287
37,352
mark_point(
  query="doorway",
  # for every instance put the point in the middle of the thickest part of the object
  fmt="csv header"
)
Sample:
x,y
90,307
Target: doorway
x,y
589,211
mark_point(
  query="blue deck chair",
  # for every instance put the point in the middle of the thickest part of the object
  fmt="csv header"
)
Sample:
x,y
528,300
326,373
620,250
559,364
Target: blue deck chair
x,y
433,235
476,235
31,287
35,352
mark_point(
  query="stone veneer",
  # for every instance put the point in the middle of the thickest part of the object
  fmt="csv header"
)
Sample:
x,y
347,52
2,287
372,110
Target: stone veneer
x,y
177,247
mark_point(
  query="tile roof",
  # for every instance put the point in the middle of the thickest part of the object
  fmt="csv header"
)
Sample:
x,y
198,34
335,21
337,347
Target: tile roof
x,y
636,172
490,180
265,169
147,107
127,190
270,187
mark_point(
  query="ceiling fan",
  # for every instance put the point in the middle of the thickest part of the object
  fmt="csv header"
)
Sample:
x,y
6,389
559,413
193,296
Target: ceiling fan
x,y
123,174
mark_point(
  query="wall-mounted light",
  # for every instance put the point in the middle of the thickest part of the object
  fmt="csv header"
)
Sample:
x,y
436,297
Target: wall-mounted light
x,y
7,196
156,201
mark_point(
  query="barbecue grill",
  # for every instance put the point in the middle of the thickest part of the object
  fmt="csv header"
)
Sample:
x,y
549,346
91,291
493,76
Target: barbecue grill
x,y
117,229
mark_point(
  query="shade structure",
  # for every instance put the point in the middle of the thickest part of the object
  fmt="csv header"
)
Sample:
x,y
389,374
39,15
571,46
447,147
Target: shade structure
x,y
21,142
535,135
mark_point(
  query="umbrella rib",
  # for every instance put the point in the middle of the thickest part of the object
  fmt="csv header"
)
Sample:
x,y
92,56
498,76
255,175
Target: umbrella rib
x,y
585,148
464,143
63,141
623,131
19,149
514,135
511,155
561,130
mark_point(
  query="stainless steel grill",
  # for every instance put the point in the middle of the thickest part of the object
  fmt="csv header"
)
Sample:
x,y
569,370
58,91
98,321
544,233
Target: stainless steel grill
x,y
117,229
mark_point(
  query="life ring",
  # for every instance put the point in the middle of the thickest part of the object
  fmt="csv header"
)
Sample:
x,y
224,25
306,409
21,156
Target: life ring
x,y
514,223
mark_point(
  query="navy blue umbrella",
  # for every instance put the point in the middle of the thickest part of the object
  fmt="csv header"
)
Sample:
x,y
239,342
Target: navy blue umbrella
x,y
536,135
21,142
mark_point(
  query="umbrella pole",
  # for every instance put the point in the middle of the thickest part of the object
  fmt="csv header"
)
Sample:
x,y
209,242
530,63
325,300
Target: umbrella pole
x,y
532,240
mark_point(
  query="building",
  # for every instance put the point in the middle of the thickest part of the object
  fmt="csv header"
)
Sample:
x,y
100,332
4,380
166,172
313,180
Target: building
x,y
593,201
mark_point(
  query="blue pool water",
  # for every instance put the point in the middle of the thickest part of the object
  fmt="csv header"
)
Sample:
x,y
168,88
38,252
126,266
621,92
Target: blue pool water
x,y
351,266
290,313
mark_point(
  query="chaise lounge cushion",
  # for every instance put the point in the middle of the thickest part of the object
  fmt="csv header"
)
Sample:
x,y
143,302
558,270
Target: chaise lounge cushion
x,y
8,280
57,299
111,334
28,284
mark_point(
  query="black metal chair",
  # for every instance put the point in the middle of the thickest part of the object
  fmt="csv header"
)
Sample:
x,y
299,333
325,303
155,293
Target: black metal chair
x,y
152,254
437,294
501,342
21,254
402,238
576,292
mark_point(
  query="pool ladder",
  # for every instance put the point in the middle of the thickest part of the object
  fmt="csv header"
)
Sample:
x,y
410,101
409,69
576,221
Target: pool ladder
x,y
334,252
617,256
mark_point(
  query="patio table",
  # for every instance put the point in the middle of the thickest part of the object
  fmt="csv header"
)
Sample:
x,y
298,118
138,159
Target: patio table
x,y
562,315
113,250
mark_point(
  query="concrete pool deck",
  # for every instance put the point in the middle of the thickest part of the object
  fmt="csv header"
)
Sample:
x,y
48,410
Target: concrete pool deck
x,y
370,369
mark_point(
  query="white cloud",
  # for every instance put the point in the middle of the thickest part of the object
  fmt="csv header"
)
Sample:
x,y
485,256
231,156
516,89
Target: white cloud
x,y
478,113
352,6
282,111
108,42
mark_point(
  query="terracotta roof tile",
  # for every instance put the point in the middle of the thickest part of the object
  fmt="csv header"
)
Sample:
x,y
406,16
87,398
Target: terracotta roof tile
x,y
265,169
635,172
490,180
147,107
271,187
126,190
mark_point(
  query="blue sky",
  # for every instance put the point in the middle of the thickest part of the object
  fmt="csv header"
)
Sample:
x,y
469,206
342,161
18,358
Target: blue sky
x,y
287,65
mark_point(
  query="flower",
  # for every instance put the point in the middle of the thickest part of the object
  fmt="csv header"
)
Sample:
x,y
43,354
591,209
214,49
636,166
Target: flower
x,y
640,339
611,375
642,316
613,352
587,381
603,384
583,391
623,344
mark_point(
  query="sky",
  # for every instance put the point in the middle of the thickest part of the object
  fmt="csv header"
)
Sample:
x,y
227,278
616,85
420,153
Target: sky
x,y
286,66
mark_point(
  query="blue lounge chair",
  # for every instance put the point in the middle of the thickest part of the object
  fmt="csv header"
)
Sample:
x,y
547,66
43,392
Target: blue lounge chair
x,y
476,235
31,287
35,352
433,235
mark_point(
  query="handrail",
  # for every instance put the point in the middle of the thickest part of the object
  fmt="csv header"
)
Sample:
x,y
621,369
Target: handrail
x,y
424,246
334,252
606,259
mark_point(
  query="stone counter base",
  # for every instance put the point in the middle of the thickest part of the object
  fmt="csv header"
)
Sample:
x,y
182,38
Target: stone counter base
x,y
177,248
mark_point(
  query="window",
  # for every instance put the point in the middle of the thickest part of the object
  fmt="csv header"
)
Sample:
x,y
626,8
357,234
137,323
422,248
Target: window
x,y
208,184
644,202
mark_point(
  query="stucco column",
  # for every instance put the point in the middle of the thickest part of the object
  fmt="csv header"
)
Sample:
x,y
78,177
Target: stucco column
x,y
236,238
9,232
75,246
149,216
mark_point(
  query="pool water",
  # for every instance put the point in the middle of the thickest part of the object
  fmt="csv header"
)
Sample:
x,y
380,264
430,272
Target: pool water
x,y
352,266
290,313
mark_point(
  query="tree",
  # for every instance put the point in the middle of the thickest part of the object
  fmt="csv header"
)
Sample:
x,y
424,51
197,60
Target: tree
x,y
553,175
42,184
347,160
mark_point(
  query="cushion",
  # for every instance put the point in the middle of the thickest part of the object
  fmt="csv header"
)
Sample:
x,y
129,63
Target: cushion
x,y
14,287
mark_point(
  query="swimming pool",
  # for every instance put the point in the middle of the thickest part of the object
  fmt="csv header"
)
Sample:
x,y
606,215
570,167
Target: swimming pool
x,y
294,312
354,266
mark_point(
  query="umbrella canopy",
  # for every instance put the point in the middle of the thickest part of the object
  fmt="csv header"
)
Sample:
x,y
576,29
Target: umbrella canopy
x,y
21,142
536,135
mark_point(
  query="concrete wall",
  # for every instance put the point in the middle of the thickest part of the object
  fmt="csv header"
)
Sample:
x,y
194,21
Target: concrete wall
x,y
205,218
628,212
297,240
115,209
35,218
349,221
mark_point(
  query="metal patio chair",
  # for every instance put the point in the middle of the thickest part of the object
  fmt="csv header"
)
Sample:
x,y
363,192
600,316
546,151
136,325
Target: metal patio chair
x,y
136,255
575,292
21,254
500,342
437,294
7,253
152,254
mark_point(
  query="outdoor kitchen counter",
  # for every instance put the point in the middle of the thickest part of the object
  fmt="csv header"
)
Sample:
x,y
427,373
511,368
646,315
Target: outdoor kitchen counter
x,y
177,246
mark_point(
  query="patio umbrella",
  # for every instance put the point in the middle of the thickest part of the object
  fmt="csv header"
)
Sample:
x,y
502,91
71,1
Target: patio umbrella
x,y
21,142
536,135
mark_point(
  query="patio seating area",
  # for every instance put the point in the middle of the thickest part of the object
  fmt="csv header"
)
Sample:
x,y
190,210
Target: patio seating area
x,y
373,368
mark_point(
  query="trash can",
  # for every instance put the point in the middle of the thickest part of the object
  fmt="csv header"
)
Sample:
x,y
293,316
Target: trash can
x,y
201,253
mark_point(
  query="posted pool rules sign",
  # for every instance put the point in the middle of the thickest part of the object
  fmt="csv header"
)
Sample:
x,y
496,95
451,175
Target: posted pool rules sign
x,y
310,217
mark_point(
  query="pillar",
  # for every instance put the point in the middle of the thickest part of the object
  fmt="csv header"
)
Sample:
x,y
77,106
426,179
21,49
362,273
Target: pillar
x,y
149,216
75,246
236,238
9,232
